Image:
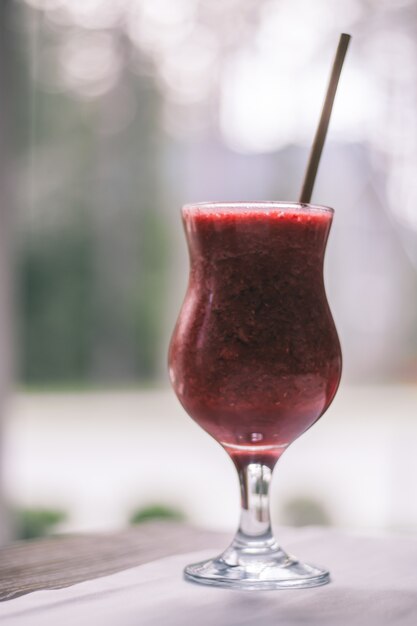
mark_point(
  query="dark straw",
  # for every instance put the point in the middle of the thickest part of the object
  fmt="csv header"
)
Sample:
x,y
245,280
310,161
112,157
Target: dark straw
x,y
317,147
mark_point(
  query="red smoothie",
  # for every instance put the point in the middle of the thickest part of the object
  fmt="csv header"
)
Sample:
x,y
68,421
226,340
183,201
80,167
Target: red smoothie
x,y
255,358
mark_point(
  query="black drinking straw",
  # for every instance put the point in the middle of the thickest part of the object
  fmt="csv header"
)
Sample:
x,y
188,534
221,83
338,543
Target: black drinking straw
x,y
317,147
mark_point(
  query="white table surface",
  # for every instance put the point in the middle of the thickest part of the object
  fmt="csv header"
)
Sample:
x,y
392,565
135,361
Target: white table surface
x,y
374,582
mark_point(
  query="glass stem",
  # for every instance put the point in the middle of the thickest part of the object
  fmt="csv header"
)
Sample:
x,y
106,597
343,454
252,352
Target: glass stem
x,y
255,532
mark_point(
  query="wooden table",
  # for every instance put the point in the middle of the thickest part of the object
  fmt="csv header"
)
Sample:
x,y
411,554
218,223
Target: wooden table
x,y
62,561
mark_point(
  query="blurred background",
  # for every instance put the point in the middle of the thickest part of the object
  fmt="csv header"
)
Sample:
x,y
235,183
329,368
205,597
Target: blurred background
x,y
114,113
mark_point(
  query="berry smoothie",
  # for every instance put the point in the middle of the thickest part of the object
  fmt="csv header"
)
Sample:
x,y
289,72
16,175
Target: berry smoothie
x,y
255,358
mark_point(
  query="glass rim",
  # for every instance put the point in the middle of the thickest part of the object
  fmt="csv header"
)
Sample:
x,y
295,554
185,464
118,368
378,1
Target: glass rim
x,y
260,205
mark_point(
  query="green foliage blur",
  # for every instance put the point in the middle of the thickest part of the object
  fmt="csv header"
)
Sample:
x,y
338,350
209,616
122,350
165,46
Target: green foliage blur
x,y
156,512
305,511
93,245
35,523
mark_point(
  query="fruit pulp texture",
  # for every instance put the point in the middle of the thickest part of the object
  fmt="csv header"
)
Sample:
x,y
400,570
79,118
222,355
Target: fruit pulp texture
x,y
255,357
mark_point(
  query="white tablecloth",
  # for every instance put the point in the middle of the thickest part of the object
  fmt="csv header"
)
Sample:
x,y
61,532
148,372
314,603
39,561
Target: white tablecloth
x,y
374,582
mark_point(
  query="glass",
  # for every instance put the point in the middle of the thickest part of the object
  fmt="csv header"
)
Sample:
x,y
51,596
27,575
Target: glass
x,y
255,360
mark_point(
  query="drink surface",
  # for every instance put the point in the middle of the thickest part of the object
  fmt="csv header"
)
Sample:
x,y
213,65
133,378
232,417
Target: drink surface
x,y
255,357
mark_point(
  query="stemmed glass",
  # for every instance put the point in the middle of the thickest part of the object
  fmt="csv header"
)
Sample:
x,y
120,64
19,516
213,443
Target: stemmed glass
x,y
255,360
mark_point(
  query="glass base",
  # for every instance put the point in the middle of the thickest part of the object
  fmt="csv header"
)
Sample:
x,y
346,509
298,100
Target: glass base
x,y
243,568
